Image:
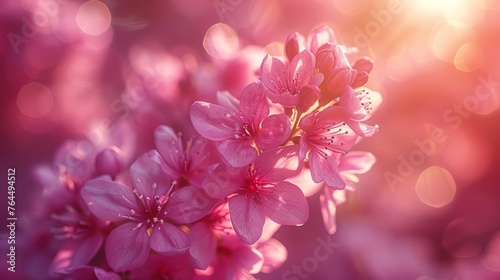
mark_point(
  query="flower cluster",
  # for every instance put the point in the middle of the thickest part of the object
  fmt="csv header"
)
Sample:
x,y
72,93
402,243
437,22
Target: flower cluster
x,y
207,206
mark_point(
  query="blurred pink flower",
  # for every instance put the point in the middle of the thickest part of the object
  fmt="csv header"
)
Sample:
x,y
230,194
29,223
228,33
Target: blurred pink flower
x,y
149,211
83,235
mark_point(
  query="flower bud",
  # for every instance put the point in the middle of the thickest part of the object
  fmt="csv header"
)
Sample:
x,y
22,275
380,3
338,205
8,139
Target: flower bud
x,y
109,162
326,59
320,36
364,64
294,44
339,81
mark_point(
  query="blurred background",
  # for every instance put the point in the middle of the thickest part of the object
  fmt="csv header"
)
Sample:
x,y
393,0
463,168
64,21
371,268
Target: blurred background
x,y
429,207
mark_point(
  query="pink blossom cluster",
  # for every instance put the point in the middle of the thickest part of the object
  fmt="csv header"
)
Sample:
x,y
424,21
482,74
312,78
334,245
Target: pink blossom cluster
x,y
206,206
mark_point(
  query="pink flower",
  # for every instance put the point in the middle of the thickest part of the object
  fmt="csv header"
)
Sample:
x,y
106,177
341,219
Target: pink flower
x,y
290,84
83,235
149,212
238,128
326,134
360,103
76,158
350,165
259,190
182,164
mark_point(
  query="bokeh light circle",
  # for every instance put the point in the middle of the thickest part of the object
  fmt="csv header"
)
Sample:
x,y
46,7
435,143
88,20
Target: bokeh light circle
x,y
469,57
435,187
93,17
34,100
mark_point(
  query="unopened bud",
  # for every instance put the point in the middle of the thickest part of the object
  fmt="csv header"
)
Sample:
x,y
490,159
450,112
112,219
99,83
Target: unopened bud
x,y
108,162
320,36
294,44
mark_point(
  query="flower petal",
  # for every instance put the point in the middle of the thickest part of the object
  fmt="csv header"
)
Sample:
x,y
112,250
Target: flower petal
x,y
210,121
302,68
203,245
352,104
249,258
328,210
364,64
362,129
325,169
308,96
225,99
247,218
127,247
107,199
319,36
303,147
356,162
189,204
278,164
273,79
274,253
169,240
54,192
361,104
222,180
254,105
169,145
77,252
147,176
275,130
294,44
286,204
102,274
237,153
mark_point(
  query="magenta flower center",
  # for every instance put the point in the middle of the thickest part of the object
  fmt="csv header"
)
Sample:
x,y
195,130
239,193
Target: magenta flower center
x,y
188,159
151,211
240,129
255,187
